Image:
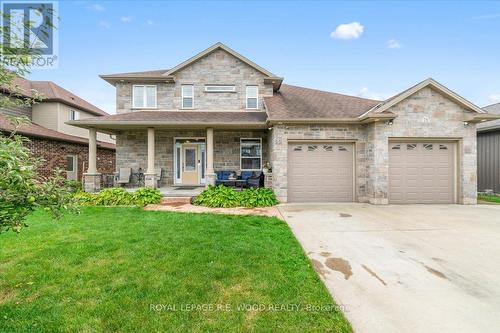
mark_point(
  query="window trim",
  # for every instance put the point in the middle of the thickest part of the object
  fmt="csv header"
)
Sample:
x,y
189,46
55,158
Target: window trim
x,y
219,90
257,97
76,113
182,96
145,96
260,156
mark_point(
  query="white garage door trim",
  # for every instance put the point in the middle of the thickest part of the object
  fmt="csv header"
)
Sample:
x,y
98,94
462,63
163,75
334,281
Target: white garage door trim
x,y
351,143
456,143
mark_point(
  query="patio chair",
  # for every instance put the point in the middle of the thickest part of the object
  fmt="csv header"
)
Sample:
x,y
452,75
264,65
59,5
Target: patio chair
x,y
223,177
253,178
124,176
159,176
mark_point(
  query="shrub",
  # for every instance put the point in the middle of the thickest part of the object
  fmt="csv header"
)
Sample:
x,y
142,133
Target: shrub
x,y
145,196
74,186
119,197
226,197
258,197
21,192
218,196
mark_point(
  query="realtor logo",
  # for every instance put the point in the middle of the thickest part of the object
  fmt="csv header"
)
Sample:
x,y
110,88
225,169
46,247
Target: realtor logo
x,y
29,33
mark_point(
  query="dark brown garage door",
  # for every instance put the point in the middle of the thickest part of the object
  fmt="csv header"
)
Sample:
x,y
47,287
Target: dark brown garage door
x,y
320,172
422,172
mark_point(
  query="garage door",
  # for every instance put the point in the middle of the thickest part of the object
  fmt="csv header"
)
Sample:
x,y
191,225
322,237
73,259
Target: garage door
x,y
422,172
320,172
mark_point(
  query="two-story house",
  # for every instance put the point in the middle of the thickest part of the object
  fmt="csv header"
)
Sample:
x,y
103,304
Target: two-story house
x,y
58,144
220,111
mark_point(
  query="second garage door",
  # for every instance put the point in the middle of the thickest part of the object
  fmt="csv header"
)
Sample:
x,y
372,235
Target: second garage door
x,y
320,172
422,172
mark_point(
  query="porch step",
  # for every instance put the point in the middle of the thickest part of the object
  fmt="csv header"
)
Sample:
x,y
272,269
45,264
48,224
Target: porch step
x,y
175,200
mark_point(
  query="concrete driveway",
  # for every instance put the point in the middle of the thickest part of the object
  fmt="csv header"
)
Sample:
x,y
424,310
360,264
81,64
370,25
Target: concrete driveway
x,y
411,268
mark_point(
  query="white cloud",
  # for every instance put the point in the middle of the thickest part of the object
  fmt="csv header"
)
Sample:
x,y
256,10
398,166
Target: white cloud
x,y
104,24
150,22
348,31
495,98
367,93
125,19
393,44
97,7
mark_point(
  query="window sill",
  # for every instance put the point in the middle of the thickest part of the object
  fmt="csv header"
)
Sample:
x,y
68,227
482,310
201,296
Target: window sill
x,y
144,108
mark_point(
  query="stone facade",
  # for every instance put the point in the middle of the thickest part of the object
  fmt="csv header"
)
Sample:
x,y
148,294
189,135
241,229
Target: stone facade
x,y
426,114
219,67
131,149
278,150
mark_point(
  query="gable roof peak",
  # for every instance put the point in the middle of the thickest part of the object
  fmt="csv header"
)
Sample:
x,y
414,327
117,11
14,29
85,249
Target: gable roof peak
x,y
429,82
222,46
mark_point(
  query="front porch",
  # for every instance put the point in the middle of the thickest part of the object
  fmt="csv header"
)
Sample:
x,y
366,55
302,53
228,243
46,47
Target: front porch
x,y
172,160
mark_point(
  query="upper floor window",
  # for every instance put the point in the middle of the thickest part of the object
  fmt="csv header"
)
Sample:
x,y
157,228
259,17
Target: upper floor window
x,y
219,88
252,97
144,96
187,96
74,115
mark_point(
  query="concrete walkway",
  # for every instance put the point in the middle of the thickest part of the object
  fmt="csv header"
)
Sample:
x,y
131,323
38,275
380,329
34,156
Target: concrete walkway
x,y
412,268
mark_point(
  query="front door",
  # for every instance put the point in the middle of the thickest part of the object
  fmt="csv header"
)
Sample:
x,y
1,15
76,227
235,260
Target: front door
x,y
190,162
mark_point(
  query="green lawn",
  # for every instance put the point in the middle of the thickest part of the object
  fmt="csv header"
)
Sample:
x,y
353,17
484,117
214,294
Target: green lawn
x,y
103,270
489,198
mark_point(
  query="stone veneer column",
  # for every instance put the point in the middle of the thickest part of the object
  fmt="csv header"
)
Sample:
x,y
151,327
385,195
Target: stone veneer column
x,y
150,175
210,157
92,178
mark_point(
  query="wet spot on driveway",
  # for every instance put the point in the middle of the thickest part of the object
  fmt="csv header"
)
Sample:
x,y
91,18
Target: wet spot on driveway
x,y
372,273
345,215
339,265
318,267
435,272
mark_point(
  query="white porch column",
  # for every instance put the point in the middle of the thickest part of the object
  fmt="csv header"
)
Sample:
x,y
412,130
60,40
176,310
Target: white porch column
x,y
210,157
150,175
92,179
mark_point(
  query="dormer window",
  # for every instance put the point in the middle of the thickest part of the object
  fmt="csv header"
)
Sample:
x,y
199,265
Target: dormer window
x,y
187,96
74,115
144,97
252,97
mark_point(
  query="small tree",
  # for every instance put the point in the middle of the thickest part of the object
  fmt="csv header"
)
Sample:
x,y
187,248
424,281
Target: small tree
x,y
21,191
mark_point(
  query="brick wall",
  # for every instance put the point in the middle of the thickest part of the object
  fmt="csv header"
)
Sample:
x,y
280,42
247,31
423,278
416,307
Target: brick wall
x,y
54,155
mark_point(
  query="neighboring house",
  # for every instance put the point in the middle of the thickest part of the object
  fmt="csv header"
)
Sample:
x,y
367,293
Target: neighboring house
x,y
58,144
488,153
220,111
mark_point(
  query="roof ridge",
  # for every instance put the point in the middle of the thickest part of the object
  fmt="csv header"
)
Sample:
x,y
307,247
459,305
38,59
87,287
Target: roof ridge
x,y
490,105
332,92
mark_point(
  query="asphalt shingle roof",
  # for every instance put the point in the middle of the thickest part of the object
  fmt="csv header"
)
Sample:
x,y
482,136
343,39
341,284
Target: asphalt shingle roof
x,y
295,103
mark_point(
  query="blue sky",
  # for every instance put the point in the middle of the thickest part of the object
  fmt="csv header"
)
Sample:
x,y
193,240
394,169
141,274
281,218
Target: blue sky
x,y
384,48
